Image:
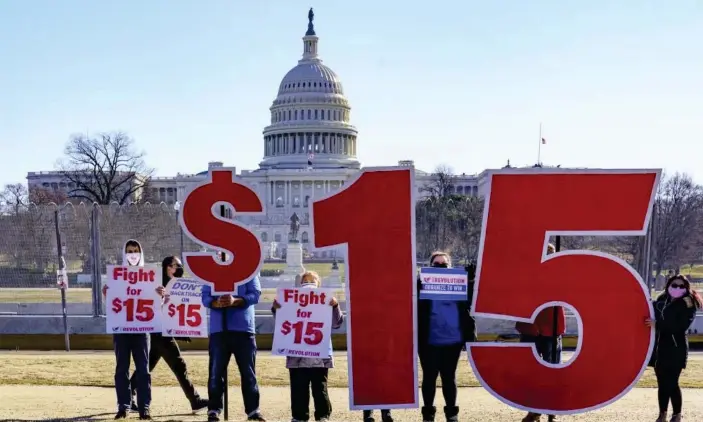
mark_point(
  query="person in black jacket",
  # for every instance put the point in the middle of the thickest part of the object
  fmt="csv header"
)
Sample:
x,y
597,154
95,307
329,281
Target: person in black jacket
x,y
674,311
444,328
167,348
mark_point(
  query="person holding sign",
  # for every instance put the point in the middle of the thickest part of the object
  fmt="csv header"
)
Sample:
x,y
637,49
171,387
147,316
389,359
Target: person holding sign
x,y
541,333
674,311
308,373
167,348
232,330
444,327
134,345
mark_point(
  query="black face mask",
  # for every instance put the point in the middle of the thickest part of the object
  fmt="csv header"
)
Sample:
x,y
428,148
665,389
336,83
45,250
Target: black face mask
x,y
178,273
438,265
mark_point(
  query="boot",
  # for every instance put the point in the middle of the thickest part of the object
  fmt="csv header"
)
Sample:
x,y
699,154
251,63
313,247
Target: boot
x,y
552,418
532,417
662,417
428,413
451,413
676,417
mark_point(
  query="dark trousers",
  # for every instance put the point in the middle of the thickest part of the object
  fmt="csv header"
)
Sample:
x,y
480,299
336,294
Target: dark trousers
x,y
302,380
442,361
544,344
129,346
668,388
167,348
221,348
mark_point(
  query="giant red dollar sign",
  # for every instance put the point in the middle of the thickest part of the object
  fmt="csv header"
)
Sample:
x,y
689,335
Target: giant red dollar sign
x,y
201,221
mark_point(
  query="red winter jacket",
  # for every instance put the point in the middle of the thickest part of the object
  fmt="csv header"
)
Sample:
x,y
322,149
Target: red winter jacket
x,y
544,323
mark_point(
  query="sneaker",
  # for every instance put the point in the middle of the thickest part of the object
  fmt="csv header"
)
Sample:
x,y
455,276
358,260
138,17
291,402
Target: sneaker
x,y
213,417
145,416
676,417
256,417
532,417
552,418
121,414
198,405
386,416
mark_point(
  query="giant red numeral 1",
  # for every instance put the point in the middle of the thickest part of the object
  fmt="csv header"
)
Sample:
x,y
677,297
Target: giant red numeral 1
x,y
201,221
516,280
374,216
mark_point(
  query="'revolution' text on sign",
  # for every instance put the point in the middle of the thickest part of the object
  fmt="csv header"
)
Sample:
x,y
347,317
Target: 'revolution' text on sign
x,y
133,305
303,322
184,314
443,283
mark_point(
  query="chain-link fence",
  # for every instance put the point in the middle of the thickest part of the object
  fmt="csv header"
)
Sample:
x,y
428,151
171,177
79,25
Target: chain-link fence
x,y
92,237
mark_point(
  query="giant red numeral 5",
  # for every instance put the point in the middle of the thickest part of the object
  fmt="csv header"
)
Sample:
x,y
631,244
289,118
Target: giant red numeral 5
x,y
516,280
374,216
202,222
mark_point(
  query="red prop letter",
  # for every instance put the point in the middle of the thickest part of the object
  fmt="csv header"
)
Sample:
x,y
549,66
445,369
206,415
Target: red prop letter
x,y
517,280
201,221
374,216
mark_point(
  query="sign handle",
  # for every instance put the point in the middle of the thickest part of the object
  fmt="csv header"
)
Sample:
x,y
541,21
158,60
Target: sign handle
x,y
62,269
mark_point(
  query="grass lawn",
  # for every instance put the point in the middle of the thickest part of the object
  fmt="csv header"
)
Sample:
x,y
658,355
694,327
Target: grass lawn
x,y
83,295
97,369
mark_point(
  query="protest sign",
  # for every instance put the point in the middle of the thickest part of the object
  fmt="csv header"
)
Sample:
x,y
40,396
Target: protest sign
x,y
133,305
303,323
443,283
184,315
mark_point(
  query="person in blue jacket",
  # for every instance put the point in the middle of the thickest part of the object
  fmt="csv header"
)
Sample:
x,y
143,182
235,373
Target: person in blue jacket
x,y
232,332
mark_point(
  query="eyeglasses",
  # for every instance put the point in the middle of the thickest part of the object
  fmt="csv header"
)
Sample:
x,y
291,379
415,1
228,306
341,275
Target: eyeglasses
x,y
678,286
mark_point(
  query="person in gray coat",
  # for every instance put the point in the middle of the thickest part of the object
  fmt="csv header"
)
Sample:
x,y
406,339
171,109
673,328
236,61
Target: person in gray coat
x,y
311,373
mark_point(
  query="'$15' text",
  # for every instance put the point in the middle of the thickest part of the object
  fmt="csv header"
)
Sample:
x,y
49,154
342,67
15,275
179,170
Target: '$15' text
x,y
308,331
139,309
188,314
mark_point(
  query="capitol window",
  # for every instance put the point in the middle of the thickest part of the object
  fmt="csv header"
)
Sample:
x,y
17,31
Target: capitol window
x,y
315,114
264,237
309,113
277,237
304,237
279,202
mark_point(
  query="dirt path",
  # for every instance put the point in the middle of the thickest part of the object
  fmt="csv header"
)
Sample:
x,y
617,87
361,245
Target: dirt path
x,y
35,403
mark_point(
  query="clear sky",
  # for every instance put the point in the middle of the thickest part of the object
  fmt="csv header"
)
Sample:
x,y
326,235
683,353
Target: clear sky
x,y
464,83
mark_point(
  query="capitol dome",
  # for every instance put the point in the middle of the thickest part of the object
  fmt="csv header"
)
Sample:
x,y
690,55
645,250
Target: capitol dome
x,y
310,116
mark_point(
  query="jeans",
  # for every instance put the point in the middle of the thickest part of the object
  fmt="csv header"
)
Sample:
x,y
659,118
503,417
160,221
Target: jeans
x,y
221,348
167,348
442,361
543,344
132,346
668,388
302,380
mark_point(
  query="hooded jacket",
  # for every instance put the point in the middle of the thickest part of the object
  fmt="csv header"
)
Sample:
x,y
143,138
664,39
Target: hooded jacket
x,y
673,319
124,253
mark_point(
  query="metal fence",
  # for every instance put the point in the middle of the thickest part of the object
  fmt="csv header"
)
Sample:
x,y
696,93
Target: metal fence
x,y
93,236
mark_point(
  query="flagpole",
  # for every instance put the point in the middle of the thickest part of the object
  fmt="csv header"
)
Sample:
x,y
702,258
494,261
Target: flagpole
x,y
539,145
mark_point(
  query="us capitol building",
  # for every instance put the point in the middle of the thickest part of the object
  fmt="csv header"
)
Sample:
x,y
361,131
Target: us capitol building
x,y
309,151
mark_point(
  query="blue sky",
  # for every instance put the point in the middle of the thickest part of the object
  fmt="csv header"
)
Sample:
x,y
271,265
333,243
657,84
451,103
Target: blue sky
x,y
463,83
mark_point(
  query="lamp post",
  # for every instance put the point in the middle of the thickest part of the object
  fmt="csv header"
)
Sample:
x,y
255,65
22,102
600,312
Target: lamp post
x,y
177,208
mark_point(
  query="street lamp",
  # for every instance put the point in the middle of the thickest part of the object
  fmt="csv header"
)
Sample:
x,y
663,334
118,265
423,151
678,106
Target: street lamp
x,y
177,208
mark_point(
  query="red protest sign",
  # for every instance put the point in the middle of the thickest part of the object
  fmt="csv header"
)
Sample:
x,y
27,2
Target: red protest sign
x,y
516,279
201,221
374,216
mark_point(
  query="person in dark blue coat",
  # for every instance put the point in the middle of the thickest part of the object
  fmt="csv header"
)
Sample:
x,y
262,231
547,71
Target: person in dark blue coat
x,y
674,312
232,332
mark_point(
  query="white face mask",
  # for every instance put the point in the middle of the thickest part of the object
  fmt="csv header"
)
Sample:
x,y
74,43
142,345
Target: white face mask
x,y
308,285
133,258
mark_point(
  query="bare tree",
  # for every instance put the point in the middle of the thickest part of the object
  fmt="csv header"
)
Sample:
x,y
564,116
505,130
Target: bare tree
x,y
42,196
677,221
104,169
443,183
14,199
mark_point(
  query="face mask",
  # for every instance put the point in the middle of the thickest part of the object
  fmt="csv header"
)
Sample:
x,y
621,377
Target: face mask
x,y
308,285
438,265
133,258
676,293
178,273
